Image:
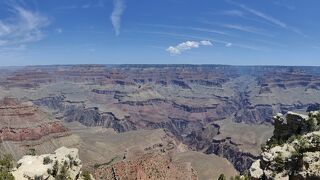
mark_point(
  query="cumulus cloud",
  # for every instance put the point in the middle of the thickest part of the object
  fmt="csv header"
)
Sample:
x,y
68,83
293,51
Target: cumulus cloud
x,y
23,26
188,45
118,9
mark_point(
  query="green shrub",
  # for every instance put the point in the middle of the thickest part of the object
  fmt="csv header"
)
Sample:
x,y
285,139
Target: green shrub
x,y
86,175
243,177
311,125
63,174
70,157
303,145
316,139
316,117
46,160
279,163
222,177
49,171
6,175
31,152
294,137
6,162
6,165
55,169
38,178
296,162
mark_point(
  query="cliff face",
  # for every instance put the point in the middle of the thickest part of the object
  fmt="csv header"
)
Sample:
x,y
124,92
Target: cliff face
x,y
25,122
294,150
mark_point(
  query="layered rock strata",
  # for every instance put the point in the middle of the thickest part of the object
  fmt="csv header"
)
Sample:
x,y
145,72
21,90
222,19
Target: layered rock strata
x,y
25,122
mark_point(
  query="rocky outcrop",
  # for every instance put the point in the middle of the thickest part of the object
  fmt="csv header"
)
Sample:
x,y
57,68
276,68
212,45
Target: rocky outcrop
x,y
293,151
251,114
230,150
182,84
193,109
313,107
64,163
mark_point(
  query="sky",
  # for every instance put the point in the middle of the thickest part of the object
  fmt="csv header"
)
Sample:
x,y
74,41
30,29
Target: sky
x,y
232,32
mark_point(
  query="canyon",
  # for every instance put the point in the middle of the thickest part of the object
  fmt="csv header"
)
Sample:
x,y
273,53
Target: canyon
x,y
221,112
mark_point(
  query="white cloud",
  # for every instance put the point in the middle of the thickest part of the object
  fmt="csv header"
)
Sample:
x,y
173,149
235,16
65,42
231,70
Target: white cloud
x,y
23,26
206,43
81,5
184,36
228,44
187,28
4,29
268,18
235,13
260,14
188,45
248,29
264,16
118,9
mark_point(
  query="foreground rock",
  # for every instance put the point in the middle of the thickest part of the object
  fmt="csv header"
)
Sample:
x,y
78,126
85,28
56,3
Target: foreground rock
x,y
294,150
64,163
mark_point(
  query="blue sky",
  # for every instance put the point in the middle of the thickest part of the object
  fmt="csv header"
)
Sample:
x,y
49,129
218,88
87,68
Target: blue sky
x,y
236,32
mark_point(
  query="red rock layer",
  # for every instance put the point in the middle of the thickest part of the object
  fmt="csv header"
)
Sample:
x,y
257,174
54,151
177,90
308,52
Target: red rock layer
x,y
35,133
149,166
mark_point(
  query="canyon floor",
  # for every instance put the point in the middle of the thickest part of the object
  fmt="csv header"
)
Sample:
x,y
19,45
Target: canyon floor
x,y
202,120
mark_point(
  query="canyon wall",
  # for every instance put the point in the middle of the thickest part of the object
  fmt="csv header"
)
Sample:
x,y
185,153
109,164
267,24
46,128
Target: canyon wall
x,y
189,101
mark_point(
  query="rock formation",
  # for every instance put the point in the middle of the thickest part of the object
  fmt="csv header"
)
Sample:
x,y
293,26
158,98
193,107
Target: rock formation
x,y
294,150
24,121
149,166
63,163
